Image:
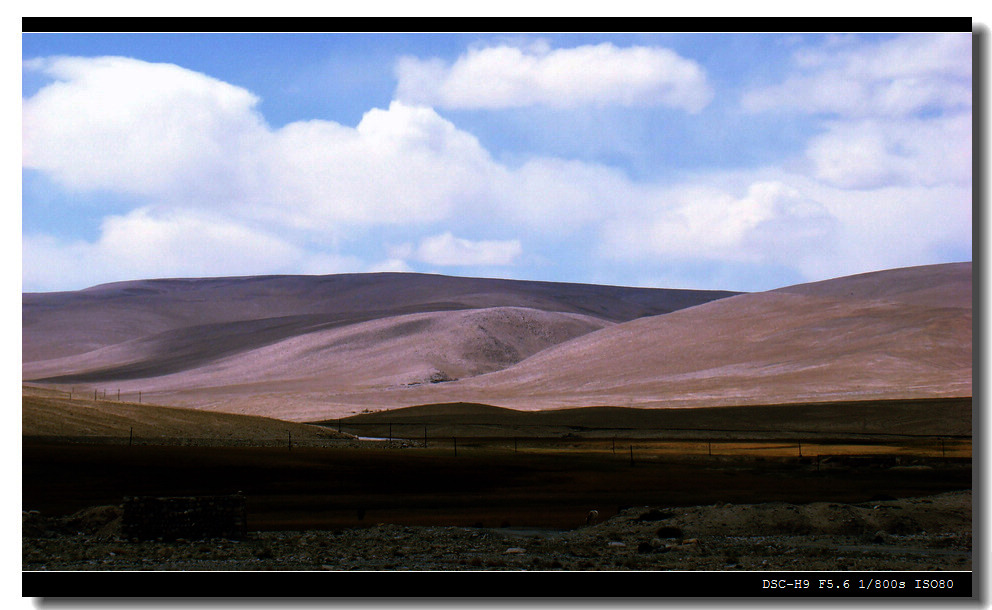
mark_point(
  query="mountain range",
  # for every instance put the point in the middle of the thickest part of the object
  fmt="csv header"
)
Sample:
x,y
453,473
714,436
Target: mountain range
x,y
306,348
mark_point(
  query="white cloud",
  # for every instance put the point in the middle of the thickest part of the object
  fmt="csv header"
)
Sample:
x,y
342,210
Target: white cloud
x,y
772,223
404,165
511,76
448,250
138,128
390,265
226,194
896,78
560,196
894,226
893,162
143,244
401,165
871,153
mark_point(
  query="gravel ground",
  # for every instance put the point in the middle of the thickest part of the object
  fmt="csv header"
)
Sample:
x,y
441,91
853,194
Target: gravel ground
x,y
930,533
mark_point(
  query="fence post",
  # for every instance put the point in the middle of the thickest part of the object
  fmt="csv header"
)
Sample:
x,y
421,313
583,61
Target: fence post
x,y
425,436
290,440
631,455
454,440
118,394
709,448
130,436
94,395
614,445
139,397
800,448
390,432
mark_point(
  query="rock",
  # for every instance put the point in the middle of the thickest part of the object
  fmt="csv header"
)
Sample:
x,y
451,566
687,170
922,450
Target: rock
x,y
668,532
656,515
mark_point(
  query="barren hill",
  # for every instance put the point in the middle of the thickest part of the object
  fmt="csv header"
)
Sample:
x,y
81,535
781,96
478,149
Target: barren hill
x,y
306,349
892,334
258,335
395,350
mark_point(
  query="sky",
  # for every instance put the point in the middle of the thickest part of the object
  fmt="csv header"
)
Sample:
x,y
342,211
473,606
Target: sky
x,y
734,161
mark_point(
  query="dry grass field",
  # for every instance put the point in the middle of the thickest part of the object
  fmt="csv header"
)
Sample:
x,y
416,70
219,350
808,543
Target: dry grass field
x,y
330,501
348,486
472,469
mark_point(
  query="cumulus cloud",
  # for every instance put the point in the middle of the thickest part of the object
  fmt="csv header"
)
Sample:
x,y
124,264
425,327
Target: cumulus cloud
x,y
136,127
895,117
507,76
146,243
171,134
223,193
871,153
894,78
770,224
143,243
448,250
404,165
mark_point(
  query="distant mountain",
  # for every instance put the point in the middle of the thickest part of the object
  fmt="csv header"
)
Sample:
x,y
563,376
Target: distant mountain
x,y
311,348
890,334
338,331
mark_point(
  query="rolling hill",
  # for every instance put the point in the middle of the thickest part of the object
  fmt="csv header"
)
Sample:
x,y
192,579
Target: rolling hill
x,y
891,334
310,348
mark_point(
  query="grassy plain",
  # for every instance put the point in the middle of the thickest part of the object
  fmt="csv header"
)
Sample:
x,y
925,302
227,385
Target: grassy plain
x,y
487,466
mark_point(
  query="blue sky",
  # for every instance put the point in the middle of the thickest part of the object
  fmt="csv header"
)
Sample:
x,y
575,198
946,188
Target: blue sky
x,y
723,161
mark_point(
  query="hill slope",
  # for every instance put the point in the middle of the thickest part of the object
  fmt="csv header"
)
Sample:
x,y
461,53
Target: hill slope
x,y
46,414
902,333
390,351
258,335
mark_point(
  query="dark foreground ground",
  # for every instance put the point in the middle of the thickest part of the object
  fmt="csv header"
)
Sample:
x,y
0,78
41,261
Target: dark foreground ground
x,y
368,507
920,534
361,484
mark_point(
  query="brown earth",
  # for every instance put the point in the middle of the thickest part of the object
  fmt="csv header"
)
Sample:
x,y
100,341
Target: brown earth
x,y
865,419
266,346
49,414
272,308
907,336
